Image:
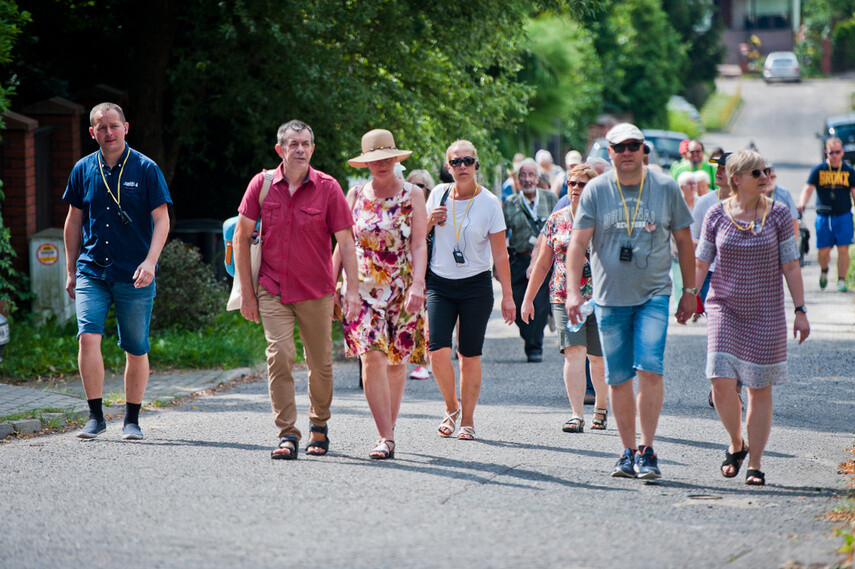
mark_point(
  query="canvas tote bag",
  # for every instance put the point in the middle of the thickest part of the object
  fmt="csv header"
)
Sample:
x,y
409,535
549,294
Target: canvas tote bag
x,y
254,250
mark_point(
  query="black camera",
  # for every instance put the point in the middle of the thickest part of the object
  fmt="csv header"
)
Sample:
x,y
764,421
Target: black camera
x,y
124,217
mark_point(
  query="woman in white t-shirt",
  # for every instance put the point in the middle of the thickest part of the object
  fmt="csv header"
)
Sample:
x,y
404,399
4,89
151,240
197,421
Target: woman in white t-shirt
x,y
469,236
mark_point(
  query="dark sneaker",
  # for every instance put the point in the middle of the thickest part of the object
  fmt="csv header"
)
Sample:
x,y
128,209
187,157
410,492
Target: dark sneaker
x,y
823,279
623,467
132,432
92,429
646,464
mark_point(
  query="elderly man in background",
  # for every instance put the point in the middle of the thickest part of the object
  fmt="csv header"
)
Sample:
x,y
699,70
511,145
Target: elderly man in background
x,y
525,213
548,169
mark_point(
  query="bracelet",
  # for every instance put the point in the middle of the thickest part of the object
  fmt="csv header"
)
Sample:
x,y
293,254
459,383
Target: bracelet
x,y
692,291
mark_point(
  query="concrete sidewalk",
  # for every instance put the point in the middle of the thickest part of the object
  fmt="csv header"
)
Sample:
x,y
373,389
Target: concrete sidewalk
x,y
67,395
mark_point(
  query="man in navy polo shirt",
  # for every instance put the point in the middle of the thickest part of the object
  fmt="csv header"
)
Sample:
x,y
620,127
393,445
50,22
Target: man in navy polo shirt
x,y
116,227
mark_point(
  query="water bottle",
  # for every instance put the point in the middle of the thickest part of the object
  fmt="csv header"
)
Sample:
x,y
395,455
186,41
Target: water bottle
x,y
586,309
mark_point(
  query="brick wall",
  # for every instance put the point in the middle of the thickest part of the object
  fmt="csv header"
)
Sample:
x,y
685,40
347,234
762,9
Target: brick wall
x,y
19,183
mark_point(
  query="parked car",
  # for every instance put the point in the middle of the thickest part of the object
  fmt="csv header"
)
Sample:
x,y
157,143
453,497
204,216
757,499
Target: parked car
x,y
667,144
600,149
843,127
781,66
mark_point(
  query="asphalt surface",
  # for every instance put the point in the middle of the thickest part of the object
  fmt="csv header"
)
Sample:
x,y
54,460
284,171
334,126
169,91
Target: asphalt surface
x,y
201,490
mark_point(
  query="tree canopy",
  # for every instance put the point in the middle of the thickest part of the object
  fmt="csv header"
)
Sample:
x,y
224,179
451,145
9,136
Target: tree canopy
x,y
208,83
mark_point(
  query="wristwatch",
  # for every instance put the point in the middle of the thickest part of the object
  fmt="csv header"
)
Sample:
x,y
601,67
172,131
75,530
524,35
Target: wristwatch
x,y
802,309
692,291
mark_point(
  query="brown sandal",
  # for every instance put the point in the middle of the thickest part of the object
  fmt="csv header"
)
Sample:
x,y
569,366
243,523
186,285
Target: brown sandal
x,y
574,425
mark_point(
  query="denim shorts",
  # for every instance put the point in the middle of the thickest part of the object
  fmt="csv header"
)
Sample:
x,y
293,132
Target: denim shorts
x,y
633,338
833,230
93,298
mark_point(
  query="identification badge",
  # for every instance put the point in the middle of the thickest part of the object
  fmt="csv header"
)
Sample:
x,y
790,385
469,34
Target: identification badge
x,y
458,256
626,253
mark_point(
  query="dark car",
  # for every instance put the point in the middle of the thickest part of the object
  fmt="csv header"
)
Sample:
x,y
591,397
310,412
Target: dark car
x,y
667,144
843,127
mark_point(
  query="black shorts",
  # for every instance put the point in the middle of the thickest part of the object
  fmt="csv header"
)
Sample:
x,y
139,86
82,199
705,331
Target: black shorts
x,y
470,300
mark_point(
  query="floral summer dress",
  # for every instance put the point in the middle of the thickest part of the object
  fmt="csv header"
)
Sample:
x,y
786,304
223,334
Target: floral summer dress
x,y
381,230
746,318
556,232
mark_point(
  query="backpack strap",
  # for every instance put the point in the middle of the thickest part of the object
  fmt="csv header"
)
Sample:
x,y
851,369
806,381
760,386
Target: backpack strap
x,y
265,187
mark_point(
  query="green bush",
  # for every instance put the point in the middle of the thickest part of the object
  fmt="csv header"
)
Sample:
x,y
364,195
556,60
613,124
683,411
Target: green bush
x,y
682,122
188,295
843,46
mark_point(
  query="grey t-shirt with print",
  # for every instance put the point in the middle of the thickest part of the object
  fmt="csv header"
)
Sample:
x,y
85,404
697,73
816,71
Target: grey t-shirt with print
x,y
661,211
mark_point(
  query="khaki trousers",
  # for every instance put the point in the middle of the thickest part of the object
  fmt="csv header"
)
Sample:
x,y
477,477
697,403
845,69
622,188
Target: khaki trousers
x,y
314,318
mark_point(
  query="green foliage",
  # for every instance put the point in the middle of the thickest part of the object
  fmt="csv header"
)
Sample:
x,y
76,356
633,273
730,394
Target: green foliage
x,y
681,122
50,350
188,295
12,21
561,68
14,285
719,109
820,19
843,44
700,28
642,58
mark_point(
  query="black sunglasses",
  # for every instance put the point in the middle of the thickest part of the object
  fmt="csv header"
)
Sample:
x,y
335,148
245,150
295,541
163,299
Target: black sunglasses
x,y
834,151
621,147
576,184
466,161
421,185
756,172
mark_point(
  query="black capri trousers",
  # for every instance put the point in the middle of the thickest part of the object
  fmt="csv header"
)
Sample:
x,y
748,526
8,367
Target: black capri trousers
x,y
469,299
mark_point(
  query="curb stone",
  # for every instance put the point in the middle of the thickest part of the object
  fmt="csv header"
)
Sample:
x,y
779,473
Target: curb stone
x,y
6,429
27,426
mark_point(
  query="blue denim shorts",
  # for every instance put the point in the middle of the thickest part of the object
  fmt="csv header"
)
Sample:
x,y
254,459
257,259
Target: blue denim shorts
x,y
93,298
633,338
834,230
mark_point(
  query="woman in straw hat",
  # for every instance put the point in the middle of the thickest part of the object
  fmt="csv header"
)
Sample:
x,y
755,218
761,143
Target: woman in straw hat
x,y
469,237
389,230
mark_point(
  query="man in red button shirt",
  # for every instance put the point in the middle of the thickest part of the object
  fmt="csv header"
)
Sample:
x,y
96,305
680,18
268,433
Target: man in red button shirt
x,y
303,209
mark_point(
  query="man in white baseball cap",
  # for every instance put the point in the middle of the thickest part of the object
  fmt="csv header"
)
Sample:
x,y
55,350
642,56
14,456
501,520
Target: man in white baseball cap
x,y
628,215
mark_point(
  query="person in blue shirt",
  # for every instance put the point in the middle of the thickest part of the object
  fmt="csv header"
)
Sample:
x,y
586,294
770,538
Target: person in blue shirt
x,y
116,227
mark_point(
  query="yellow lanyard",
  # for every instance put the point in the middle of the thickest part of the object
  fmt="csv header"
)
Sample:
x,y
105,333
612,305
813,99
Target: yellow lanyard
x,y
119,185
750,224
454,214
630,226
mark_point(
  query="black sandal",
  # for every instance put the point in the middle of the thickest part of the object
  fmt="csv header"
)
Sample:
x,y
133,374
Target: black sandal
x,y
574,425
323,445
277,453
754,473
385,449
734,460
601,417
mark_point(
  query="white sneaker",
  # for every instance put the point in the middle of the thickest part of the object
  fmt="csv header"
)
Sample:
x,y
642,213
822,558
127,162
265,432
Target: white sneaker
x,y
421,372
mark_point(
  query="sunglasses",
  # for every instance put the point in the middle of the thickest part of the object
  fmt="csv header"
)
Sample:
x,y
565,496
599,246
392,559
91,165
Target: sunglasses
x,y
421,185
756,172
576,184
466,161
695,151
623,146
834,151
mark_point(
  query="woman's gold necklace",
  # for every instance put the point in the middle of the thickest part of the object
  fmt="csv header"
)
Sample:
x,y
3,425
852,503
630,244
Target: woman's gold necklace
x,y
751,225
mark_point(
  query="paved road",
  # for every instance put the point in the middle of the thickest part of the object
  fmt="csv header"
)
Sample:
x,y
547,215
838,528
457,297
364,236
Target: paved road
x,y
201,491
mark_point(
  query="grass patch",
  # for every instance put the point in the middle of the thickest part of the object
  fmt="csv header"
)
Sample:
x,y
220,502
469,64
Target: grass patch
x,y
50,350
720,108
36,414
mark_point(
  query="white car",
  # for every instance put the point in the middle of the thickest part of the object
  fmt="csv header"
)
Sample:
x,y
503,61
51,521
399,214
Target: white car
x,y
781,66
